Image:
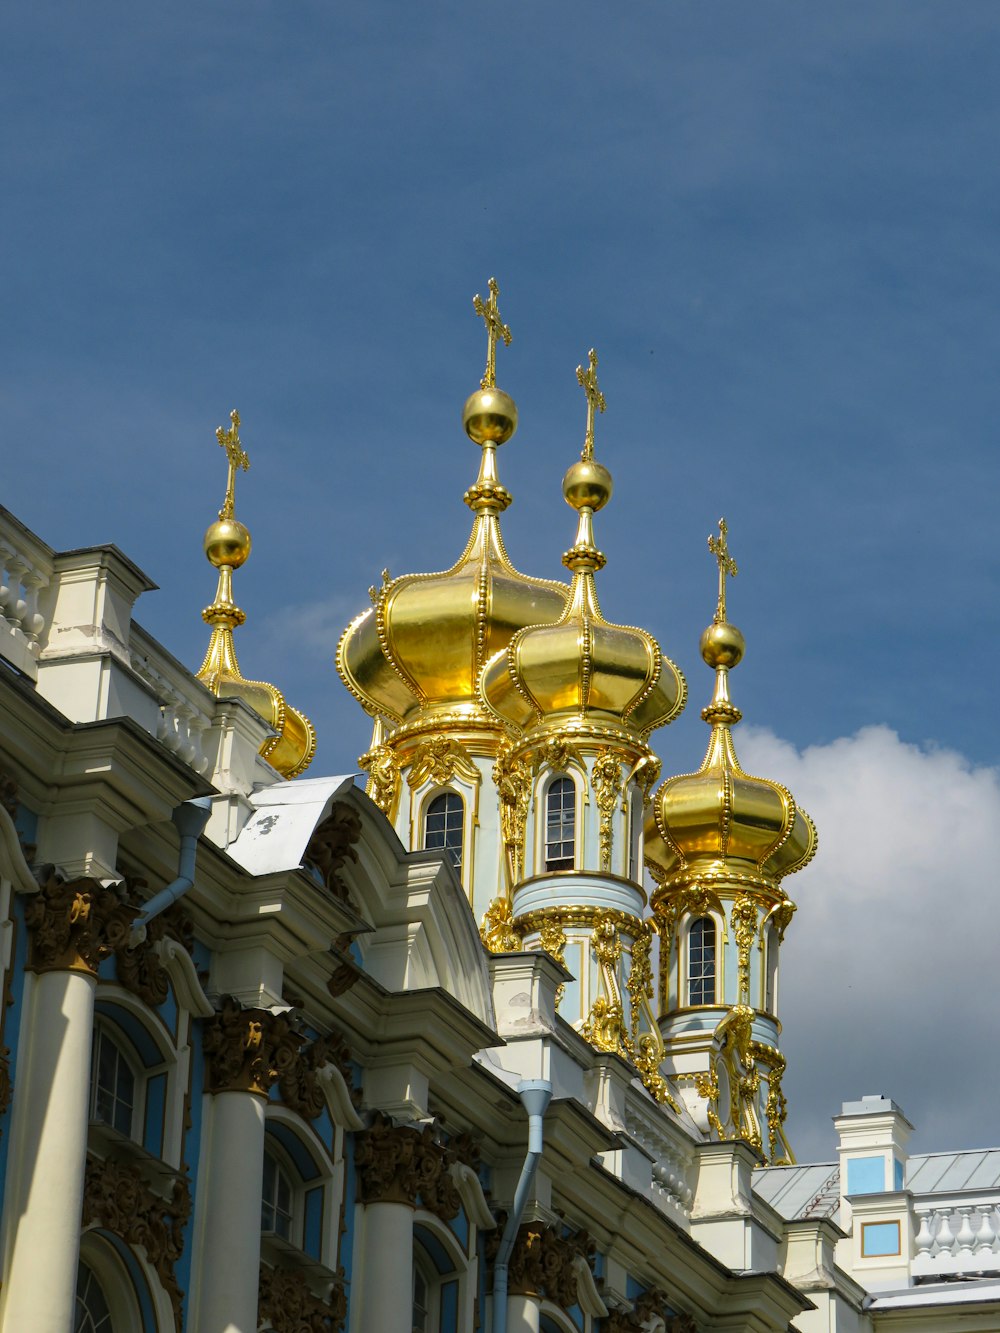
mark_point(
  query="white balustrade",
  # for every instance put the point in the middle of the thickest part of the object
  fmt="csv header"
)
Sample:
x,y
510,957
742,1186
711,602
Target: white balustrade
x,y
25,573
187,708
958,1234
673,1159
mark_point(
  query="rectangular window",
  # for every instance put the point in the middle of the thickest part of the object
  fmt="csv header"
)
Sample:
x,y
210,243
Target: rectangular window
x,y
879,1239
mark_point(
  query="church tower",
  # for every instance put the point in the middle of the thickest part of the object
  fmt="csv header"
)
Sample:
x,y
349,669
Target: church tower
x,y
719,843
579,698
413,661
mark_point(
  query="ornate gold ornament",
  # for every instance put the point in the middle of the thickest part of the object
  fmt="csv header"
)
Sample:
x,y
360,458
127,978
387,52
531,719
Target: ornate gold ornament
x,y
605,1024
488,311
735,1035
287,1304
645,772
382,767
497,931
775,1107
73,926
438,759
606,779
587,380
116,1198
227,546
332,846
779,916
544,1262
248,1050
512,778
552,938
744,922
406,1164
640,979
558,756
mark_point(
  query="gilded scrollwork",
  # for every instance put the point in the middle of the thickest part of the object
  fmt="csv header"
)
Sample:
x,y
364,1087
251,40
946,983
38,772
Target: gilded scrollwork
x,y
248,1050
640,979
287,1303
116,1198
497,931
558,756
606,780
382,767
332,846
74,925
645,772
406,1164
605,1024
512,778
438,759
744,922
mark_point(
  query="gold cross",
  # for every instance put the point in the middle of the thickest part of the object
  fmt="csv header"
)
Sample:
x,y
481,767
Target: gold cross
x,y
727,565
230,441
595,400
495,328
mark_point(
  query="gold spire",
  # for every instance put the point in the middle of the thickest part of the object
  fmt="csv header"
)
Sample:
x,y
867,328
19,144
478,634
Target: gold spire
x,y
721,824
587,379
584,675
227,546
489,312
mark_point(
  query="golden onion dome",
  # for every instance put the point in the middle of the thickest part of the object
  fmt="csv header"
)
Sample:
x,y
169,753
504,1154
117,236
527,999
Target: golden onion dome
x,y
582,672
722,824
227,546
416,654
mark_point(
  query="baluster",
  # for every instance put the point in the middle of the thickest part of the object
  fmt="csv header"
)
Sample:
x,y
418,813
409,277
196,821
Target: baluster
x,y
944,1241
966,1237
6,591
986,1233
925,1236
34,622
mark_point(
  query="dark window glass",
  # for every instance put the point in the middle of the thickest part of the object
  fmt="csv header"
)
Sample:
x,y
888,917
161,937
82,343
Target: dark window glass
x,y
560,825
444,824
91,1314
275,1200
701,961
112,1085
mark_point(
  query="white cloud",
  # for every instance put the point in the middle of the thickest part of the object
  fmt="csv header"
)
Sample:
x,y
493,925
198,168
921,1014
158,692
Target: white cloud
x,y
888,970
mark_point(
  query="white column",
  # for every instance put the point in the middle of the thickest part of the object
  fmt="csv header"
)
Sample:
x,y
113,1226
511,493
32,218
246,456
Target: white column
x,y
523,1314
43,1200
230,1180
387,1276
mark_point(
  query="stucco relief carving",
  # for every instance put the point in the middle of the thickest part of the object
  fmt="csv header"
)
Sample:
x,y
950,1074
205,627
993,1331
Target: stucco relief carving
x,y
74,925
247,1050
546,1263
299,1082
116,1198
406,1164
332,846
140,968
286,1303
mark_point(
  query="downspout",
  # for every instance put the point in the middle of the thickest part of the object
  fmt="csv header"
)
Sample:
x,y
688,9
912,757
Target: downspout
x,y
190,819
535,1094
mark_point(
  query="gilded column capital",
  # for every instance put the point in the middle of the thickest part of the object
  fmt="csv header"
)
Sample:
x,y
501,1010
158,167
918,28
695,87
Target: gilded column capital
x,y
405,1164
116,1198
74,925
247,1050
546,1263
287,1304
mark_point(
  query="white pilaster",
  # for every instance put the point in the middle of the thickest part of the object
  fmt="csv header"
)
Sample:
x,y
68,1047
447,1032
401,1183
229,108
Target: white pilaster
x,y
387,1279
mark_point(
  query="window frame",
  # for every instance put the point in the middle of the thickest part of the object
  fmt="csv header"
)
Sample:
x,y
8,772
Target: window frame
x,y
551,782
432,798
689,978
106,1031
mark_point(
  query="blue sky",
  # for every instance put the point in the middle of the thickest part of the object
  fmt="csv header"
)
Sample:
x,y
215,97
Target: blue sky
x,y
777,223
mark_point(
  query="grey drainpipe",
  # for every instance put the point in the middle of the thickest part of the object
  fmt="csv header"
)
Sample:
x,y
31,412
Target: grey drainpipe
x,y
535,1094
190,818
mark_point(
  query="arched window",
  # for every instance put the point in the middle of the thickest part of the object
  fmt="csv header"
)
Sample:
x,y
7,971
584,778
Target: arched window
x,y
91,1314
112,1084
444,826
701,961
275,1199
560,825
771,971
424,1284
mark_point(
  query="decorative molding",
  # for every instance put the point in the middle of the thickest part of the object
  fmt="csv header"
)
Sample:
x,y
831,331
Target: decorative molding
x,y
405,1164
73,926
116,1198
605,1025
300,1082
247,1050
651,1311
512,778
332,846
438,759
497,929
287,1304
743,919
140,969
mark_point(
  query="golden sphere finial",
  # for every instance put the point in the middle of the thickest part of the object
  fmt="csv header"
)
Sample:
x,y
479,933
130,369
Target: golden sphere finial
x,y
227,542
722,645
489,416
587,485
